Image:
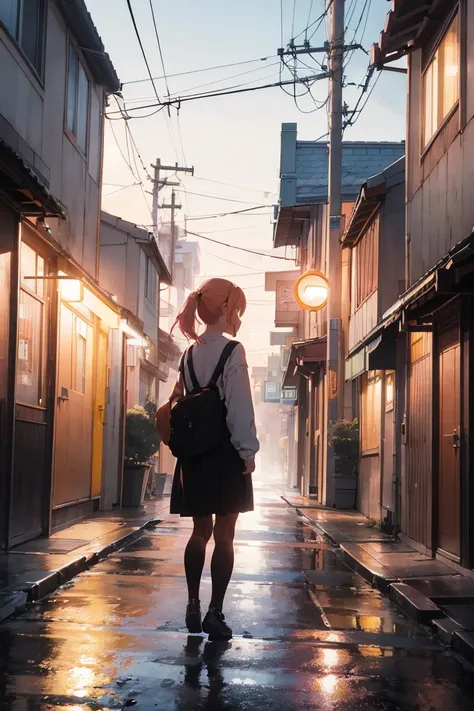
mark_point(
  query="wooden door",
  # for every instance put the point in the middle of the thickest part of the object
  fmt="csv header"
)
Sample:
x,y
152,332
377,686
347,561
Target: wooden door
x,y
99,413
449,493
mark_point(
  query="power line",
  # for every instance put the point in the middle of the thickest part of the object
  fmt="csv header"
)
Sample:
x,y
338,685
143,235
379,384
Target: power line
x,y
232,76
232,185
229,229
215,197
159,46
127,163
240,249
130,9
210,95
198,71
224,214
229,261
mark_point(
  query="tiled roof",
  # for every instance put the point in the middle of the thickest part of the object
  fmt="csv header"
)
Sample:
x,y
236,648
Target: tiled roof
x,y
360,160
304,166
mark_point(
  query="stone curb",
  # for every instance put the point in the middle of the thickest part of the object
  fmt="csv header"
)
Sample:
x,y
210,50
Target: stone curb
x,y
15,600
410,601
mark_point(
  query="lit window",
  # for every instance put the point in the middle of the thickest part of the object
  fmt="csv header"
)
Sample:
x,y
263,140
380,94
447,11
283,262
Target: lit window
x,y
77,112
441,82
24,20
31,361
371,411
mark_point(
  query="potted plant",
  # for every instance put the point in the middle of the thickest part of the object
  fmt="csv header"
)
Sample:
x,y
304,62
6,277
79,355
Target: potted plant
x,y
141,443
344,439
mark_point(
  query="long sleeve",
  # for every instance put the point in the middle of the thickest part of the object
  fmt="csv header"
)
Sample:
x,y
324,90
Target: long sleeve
x,y
238,399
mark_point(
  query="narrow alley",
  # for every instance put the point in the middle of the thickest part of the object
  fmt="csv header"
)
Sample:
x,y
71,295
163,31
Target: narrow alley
x,y
115,636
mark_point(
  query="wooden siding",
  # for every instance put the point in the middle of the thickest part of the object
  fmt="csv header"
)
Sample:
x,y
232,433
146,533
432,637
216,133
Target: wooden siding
x,y
368,489
440,209
417,487
363,320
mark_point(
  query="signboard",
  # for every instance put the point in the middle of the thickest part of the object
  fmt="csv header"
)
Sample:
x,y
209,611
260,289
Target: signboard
x,y
272,391
289,396
287,311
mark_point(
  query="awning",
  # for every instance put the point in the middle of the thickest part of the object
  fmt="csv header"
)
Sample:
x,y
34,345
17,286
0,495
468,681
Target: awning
x,y
289,225
305,357
404,29
22,187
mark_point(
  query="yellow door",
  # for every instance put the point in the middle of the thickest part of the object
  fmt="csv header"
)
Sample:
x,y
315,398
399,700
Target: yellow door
x,y
99,413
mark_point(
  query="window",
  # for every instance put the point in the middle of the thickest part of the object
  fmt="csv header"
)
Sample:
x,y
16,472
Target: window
x,y
81,355
420,345
151,282
371,411
24,19
389,391
31,361
77,111
441,82
365,264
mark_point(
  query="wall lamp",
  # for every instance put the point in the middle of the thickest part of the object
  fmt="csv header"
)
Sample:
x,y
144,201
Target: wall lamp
x,y
311,290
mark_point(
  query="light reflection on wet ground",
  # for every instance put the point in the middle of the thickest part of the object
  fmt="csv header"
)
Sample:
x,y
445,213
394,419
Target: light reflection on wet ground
x,y
115,637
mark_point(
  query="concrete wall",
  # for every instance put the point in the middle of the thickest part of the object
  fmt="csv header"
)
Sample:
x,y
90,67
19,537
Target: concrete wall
x,y
32,121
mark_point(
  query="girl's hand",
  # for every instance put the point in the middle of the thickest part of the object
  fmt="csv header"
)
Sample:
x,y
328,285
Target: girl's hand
x,y
249,466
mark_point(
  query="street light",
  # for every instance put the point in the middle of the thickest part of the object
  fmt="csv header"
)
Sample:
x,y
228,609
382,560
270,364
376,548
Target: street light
x,y
311,290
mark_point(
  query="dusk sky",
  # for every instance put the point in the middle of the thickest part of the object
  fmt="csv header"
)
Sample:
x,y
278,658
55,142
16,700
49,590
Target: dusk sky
x,y
233,142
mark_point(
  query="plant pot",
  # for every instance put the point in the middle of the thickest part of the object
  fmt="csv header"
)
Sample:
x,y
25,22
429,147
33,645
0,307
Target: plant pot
x,y
134,486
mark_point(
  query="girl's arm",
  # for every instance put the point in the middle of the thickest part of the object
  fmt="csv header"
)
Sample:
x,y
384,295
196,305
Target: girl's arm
x,y
240,410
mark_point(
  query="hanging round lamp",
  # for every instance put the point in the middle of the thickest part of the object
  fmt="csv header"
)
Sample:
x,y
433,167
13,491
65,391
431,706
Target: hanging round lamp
x,y
311,290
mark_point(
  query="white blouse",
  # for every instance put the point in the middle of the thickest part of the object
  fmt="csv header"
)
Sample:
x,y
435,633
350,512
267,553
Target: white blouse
x,y
234,386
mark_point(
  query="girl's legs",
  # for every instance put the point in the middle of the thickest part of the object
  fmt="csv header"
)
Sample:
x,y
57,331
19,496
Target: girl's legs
x,y
195,554
222,563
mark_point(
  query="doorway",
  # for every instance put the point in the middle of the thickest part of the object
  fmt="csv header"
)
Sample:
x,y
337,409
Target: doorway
x,y
449,481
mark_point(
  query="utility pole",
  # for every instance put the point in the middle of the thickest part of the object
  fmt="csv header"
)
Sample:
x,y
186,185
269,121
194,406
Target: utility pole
x,y
334,383
158,184
173,207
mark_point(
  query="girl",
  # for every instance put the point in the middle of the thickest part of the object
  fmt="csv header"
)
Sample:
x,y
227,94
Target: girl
x,y
220,482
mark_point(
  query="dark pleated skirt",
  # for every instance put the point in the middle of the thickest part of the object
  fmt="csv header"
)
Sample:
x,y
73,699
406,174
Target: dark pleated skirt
x,y
214,484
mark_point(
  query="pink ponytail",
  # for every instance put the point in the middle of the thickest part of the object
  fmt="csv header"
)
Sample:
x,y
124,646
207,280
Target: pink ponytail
x,y
215,298
186,319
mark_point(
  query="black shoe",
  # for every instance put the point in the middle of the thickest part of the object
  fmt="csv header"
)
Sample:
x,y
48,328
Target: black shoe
x,y
193,617
215,626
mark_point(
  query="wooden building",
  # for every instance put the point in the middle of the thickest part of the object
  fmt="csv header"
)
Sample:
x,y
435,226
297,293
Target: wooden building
x,y
302,223
436,312
375,236
54,81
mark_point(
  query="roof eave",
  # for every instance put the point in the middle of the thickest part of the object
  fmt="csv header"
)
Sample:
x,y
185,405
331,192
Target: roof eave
x,y
81,24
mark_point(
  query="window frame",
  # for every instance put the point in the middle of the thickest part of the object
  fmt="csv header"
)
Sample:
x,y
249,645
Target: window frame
x,y
42,300
370,379
153,301
427,65
72,133
38,70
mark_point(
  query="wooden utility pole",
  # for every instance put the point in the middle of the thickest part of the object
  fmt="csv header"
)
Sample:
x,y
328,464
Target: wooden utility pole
x,y
158,184
334,385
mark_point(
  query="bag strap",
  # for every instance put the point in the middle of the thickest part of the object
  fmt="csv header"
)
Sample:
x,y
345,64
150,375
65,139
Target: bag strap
x,y
225,355
192,372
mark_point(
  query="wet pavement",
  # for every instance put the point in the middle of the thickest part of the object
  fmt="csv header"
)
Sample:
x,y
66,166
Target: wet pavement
x,y
309,634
